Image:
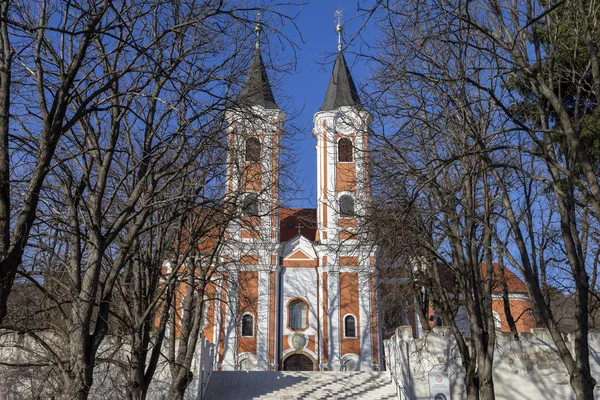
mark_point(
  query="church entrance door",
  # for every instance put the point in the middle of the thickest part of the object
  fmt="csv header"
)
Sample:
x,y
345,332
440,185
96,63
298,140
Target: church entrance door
x,y
298,362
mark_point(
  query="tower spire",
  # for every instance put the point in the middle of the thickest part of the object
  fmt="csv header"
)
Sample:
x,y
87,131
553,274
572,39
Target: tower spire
x,y
339,13
257,89
341,90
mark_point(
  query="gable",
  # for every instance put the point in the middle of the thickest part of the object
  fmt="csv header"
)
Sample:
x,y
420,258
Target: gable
x,y
298,252
299,255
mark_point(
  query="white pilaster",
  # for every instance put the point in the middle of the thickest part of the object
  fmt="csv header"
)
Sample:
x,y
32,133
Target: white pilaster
x,y
364,296
262,321
230,345
334,320
276,325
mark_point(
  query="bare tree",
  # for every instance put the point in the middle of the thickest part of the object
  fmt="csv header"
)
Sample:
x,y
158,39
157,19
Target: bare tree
x,y
427,166
442,245
45,49
145,145
535,143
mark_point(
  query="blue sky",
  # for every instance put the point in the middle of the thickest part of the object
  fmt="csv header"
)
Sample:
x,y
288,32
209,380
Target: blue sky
x,y
306,84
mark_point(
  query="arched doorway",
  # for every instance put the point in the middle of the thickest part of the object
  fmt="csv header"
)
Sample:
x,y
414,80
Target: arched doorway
x,y
298,362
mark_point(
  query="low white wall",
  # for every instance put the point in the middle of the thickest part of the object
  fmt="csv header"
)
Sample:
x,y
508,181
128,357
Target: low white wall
x,y
205,360
26,371
527,369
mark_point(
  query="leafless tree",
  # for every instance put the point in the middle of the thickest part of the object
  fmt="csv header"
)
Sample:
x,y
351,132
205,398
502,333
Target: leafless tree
x,y
138,145
46,50
444,240
535,145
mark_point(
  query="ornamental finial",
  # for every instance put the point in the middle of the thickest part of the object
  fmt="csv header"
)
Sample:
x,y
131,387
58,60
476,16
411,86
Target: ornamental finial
x,y
339,13
258,29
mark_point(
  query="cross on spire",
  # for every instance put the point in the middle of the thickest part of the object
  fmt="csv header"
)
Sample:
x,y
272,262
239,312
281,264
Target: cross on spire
x,y
299,228
258,29
339,13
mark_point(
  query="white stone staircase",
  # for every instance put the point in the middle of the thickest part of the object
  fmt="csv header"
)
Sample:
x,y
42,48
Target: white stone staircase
x,y
300,385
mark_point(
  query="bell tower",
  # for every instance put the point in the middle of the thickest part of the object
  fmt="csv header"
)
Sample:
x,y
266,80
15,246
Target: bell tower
x,y
254,130
346,256
341,128
255,127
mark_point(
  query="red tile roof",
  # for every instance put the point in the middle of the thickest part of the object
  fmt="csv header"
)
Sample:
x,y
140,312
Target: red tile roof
x,y
513,282
290,218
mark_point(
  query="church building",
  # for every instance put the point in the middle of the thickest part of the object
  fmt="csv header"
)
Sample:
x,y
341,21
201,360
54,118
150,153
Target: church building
x,y
300,292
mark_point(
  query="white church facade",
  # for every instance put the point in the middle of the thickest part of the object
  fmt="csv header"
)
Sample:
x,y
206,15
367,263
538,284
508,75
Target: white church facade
x,y
300,291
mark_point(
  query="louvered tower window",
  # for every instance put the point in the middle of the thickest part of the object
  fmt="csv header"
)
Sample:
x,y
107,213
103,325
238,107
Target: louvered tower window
x,y
345,150
250,205
346,206
253,149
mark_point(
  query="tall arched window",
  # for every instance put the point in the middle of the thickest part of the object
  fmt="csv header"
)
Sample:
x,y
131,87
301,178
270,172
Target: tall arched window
x,y
253,149
298,315
350,326
250,205
346,206
345,150
247,325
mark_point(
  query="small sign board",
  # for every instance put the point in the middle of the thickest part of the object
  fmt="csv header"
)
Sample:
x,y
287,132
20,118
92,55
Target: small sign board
x,y
439,385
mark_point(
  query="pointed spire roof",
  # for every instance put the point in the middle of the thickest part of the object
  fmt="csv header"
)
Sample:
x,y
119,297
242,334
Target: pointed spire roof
x,y
257,89
341,90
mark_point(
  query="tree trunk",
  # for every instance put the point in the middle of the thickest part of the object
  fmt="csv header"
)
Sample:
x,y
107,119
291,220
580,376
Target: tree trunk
x,y
7,269
80,382
486,381
179,383
582,381
81,367
421,310
582,385
471,381
135,388
506,301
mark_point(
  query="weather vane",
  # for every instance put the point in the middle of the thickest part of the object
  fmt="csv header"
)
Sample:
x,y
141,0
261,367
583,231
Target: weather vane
x,y
339,13
258,29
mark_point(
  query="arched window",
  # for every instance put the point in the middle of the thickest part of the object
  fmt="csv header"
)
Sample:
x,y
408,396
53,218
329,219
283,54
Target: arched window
x,y
497,320
247,325
350,326
250,205
298,315
253,149
346,206
345,150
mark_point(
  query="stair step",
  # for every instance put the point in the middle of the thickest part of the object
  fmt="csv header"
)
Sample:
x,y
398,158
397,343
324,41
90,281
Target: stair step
x,y
300,385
